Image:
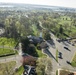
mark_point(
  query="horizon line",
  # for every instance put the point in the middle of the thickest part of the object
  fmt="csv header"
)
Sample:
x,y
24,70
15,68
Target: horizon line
x,y
36,4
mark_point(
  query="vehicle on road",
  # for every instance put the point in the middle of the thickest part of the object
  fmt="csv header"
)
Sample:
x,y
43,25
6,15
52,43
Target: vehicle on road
x,y
59,55
68,62
58,40
73,45
67,48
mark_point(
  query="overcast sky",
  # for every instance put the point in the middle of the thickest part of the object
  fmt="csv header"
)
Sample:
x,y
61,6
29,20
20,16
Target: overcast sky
x,y
65,3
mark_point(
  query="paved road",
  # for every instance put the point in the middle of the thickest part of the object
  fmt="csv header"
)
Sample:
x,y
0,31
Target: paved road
x,y
16,58
66,54
11,58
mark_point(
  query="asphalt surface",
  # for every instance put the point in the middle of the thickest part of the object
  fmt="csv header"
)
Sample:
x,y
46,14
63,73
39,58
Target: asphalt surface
x,y
67,55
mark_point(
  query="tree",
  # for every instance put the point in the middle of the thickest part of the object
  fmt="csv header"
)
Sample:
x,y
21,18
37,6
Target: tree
x,y
44,66
25,43
18,26
46,35
7,23
61,29
7,26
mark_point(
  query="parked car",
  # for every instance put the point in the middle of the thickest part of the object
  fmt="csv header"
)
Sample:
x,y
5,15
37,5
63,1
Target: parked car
x,y
66,48
68,62
58,40
73,45
60,55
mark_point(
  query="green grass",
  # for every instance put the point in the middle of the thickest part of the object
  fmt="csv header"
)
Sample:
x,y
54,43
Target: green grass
x,y
20,71
7,67
57,72
40,54
67,26
35,30
10,42
73,63
5,51
57,55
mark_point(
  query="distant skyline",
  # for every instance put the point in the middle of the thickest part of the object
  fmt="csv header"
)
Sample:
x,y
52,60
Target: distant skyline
x,y
64,3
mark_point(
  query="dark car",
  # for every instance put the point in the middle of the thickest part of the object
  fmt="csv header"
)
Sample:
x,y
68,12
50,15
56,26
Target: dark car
x,y
73,45
68,62
60,55
66,48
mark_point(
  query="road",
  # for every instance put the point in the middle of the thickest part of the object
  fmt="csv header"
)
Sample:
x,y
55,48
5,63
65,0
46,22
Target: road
x,y
16,58
66,54
11,58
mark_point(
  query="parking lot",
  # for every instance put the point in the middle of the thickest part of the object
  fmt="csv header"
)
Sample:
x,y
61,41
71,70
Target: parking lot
x,y
66,51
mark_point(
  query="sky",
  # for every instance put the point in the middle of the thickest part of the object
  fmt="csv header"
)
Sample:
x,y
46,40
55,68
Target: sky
x,y
64,3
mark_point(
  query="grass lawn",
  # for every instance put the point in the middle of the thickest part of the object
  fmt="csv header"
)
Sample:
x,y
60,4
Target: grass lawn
x,y
20,71
10,42
57,55
40,54
7,68
5,51
35,30
73,63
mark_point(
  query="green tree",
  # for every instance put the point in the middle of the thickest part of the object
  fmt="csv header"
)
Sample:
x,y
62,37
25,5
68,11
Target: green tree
x,y
61,29
44,66
46,35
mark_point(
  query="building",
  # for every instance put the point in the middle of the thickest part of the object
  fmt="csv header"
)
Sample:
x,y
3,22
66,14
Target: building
x,y
34,39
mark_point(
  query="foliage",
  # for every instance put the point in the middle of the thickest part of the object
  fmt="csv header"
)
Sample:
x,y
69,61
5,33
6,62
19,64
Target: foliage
x,y
46,35
7,68
40,54
20,71
25,43
57,55
57,72
35,30
4,51
61,29
44,66
9,42
18,24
